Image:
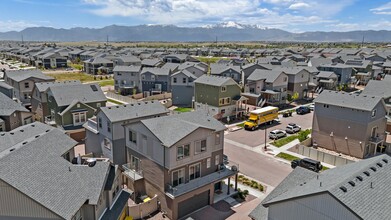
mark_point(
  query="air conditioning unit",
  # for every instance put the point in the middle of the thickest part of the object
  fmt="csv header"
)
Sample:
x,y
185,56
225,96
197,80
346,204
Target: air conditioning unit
x,y
234,168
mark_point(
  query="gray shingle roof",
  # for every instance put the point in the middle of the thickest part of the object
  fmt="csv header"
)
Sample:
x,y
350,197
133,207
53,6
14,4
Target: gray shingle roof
x,y
9,106
53,181
150,62
118,68
43,86
20,75
133,111
214,80
268,75
361,102
156,71
326,74
65,95
358,194
181,125
378,88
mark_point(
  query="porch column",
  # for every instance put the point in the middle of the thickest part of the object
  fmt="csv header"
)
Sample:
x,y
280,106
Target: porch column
x,y
236,182
229,181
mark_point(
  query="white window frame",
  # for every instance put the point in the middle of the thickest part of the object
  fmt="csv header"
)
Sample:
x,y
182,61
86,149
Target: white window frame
x,y
217,159
200,147
153,77
194,165
183,155
182,176
131,133
373,114
79,116
208,162
223,89
174,80
217,138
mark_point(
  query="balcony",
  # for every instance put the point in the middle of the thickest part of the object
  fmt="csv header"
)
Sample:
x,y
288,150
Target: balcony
x,y
50,120
91,125
133,172
226,171
377,139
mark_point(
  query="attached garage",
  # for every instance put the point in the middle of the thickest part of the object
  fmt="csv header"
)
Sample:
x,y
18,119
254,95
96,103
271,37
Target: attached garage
x,y
192,204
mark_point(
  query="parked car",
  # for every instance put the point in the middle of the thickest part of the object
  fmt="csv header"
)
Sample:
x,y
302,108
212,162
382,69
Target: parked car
x,y
276,134
292,128
307,163
303,110
312,107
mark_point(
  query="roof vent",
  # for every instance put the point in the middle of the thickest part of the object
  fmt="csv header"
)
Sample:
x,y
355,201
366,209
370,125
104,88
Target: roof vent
x,y
117,106
47,130
385,160
367,173
359,178
2,134
93,87
352,183
21,130
373,168
24,142
11,133
36,136
139,103
379,164
343,189
125,106
12,149
32,125
109,107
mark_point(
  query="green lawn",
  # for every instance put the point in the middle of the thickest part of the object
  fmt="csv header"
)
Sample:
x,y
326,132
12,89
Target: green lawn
x,y
287,156
210,59
76,66
181,109
283,141
240,125
325,168
115,101
109,82
83,77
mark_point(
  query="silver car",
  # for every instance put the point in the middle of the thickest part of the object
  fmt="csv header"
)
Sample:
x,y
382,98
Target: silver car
x,y
276,134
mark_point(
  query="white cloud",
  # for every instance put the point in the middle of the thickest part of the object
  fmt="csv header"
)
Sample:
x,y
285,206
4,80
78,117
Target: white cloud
x,y
11,25
344,26
299,5
383,9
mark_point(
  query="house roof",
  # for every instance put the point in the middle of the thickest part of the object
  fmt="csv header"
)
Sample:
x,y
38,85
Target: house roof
x,y
290,70
215,80
98,60
349,185
65,95
20,75
129,59
348,100
9,106
150,62
378,88
171,66
326,74
216,69
135,110
156,71
53,182
119,68
43,86
181,125
268,75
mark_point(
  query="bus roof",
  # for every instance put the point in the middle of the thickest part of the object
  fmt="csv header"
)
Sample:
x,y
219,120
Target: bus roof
x,y
264,109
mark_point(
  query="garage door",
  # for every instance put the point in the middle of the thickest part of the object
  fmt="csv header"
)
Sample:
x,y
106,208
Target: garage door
x,y
192,204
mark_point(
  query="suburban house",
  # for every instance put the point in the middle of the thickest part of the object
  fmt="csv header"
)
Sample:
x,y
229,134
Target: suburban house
x,y
13,114
327,80
23,82
182,86
350,124
71,106
196,68
249,68
39,102
266,87
127,79
6,89
127,60
52,60
220,95
343,71
182,165
381,89
105,134
344,192
155,81
151,63
176,58
298,80
98,65
58,186
227,71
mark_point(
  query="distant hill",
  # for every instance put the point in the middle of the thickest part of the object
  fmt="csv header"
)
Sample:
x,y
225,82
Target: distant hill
x,y
228,31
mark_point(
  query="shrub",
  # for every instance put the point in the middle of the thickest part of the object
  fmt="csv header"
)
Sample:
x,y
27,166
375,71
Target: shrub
x,y
303,135
260,187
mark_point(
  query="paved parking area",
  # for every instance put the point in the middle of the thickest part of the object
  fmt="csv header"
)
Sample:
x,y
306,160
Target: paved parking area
x,y
257,137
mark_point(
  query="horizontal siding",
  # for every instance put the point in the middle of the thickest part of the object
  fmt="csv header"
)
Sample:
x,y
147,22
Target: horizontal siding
x,y
15,203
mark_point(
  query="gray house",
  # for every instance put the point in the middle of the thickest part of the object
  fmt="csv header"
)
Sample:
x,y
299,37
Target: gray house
x,y
105,133
182,165
127,79
351,124
227,71
48,185
343,71
182,85
155,81
13,114
327,80
351,192
298,80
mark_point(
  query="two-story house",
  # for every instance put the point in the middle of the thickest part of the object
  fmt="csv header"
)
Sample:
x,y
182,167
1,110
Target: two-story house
x,y
343,71
39,100
23,82
227,71
266,87
98,65
53,60
13,114
182,165
298,79
220,95
351,124
70,106
51,183
155,80
127,79
105,135
182,86
327,80
176,58
249,68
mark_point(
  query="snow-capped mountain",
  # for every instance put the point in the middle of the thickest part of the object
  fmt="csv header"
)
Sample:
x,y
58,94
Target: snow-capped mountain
x,y
232,24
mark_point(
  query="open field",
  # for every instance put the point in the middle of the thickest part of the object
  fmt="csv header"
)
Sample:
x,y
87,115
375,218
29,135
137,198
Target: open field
x,y
82,77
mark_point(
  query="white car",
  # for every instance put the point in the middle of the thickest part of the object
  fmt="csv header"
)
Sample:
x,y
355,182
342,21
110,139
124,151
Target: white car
x,y
292,128
312,107
276,134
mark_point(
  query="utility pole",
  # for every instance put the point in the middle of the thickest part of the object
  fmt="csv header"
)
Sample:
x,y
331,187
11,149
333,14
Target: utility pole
x,y
216,41
22,39
107,41
362,43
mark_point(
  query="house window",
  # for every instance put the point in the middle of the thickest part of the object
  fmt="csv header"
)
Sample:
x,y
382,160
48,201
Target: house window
x,y
217,138
116,82
26,85
143,77
217,160
132,136
174,79
152,77
228,100
184,80
208,163
78,105
200,146
79,118
195,171
183,151
108,126
223,88
178,177
285,79
373,113
25,96
98,104
100,122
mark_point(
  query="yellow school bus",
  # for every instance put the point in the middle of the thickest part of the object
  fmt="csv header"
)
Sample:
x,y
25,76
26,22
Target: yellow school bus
x,y
261,116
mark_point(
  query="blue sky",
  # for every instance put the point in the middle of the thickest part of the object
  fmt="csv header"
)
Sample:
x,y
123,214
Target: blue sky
x,y
290,15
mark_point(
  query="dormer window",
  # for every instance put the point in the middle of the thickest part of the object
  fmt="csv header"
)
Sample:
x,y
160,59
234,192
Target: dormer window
x,y
223,88
373,113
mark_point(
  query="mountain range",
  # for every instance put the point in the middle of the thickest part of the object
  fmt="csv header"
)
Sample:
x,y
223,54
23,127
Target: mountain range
x,y
227,31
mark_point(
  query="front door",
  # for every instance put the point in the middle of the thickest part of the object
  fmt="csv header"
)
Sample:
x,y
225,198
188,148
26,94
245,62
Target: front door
x,y
218,186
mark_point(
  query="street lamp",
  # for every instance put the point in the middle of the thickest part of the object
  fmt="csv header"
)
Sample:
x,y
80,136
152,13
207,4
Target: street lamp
x,y
265,147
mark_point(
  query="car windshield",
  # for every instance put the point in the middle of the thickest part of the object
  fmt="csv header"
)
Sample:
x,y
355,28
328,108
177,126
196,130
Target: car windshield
x,y
273,132
251,120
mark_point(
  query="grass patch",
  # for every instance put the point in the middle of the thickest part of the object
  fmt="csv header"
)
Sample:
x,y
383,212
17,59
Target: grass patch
x,y
240,125
325,168
106,82
83,77
210,59
281,142
76,66
181,109
115,101
286,156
